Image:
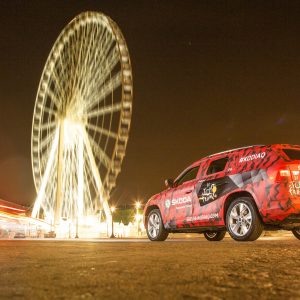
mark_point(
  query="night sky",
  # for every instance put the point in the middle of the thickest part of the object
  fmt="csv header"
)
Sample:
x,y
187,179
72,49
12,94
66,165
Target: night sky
x,y
208,76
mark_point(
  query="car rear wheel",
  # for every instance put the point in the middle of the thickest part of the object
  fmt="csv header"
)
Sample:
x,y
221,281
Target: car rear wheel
x,y
155,227
214,235
242,220
296,233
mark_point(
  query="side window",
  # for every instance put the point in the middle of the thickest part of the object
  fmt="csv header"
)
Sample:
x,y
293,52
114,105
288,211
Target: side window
x,y
217,165
189,175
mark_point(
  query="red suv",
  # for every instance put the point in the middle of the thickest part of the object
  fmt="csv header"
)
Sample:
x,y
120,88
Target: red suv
x,y
241,191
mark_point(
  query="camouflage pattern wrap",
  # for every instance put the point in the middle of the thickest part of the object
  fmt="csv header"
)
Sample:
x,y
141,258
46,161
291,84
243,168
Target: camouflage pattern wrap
x,y
250,171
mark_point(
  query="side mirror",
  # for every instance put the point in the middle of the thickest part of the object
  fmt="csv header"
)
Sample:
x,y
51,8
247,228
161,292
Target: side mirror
x,y
169,183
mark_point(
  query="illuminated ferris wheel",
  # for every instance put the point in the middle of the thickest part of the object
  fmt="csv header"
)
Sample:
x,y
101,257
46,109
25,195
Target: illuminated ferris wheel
x,y
81,119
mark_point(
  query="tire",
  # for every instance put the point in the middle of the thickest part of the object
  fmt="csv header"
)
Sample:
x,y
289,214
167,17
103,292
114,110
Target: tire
x,y
213,236
155,227
296,233
242,220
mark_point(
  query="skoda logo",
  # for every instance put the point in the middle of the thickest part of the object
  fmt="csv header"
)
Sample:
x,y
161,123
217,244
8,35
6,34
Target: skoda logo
x,y
168,203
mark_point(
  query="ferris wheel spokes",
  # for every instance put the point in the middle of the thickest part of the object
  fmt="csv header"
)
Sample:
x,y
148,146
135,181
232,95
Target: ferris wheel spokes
x,y
110,108
104,131
104,159
106,89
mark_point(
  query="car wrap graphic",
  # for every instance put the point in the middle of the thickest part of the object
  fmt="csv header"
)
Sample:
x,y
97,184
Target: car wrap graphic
x,y
250,171
209,191
294,188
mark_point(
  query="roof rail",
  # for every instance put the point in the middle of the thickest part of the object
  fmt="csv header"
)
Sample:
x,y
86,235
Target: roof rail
x,y
235,149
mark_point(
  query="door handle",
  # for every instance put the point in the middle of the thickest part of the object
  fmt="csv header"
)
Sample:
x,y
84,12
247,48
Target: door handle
x,y
188,192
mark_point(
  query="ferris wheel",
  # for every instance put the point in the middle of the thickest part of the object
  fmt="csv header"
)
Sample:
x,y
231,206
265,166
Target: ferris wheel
x,y
81,119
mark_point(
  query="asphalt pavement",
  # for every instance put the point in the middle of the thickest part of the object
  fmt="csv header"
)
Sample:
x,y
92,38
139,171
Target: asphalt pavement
x,y
137,269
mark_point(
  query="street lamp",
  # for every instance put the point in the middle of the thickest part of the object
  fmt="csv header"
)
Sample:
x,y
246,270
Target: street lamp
x,y
112,208
137,206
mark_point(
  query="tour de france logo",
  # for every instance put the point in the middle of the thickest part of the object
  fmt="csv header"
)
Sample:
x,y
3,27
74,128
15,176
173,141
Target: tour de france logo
x,y
209,193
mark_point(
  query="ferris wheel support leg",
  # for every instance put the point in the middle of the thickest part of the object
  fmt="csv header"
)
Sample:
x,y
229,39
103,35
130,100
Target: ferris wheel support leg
x,y
58,202
103,199
41,192
80,176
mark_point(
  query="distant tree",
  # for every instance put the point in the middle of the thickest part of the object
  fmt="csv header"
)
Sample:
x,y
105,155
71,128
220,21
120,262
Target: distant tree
x,y
124,215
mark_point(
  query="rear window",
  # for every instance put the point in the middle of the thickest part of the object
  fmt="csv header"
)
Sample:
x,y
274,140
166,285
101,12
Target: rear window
x,y
292,154
217,166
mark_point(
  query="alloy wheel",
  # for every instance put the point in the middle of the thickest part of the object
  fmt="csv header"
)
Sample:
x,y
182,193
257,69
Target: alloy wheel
x,y
211,234
154,225
240,219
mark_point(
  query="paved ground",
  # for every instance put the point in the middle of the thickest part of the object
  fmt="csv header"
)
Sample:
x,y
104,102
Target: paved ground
x,y
177,269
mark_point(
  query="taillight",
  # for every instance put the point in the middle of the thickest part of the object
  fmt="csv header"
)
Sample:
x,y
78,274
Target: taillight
x,y
295,175
289,173
284,173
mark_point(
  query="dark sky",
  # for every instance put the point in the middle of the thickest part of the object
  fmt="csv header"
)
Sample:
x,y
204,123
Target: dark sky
x,y
208,76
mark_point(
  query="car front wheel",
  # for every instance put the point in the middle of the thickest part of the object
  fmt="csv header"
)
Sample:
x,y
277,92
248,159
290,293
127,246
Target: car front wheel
x,y
155,227
214,235
242,220
296,233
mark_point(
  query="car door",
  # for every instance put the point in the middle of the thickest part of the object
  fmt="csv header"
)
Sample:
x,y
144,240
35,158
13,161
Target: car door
x,y
181,199
166,209
212,185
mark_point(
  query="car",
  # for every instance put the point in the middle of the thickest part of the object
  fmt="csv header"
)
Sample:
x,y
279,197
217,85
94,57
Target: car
x,y
50,234
240,191
19,235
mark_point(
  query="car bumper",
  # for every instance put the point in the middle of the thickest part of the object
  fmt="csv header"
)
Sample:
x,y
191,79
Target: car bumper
x,y
284,211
